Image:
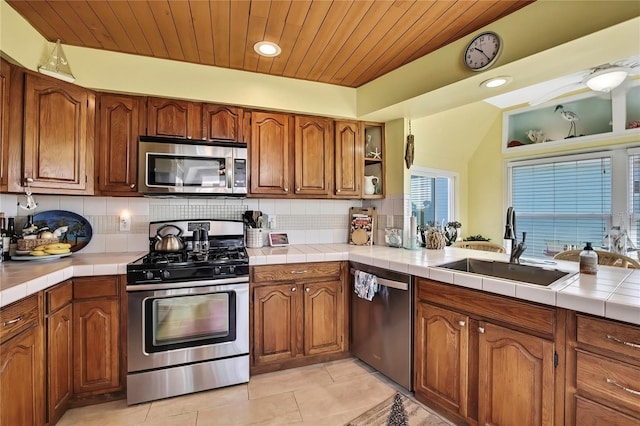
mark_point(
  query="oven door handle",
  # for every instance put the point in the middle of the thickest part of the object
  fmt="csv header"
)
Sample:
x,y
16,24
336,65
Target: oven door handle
x,y
186,284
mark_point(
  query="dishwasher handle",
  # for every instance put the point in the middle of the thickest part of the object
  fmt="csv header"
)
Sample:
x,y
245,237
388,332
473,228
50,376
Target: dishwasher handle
x,y
388,283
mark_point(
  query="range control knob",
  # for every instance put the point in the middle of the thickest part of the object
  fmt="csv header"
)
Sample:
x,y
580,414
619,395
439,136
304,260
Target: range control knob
x,y
148,275
232,269
216,270
166,275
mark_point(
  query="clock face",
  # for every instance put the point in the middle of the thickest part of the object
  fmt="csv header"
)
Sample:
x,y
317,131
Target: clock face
x,y
482,51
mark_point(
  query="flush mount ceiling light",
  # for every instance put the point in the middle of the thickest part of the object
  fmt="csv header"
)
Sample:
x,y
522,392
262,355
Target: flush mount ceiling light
x,y
607,79
267,48
496,81
57,65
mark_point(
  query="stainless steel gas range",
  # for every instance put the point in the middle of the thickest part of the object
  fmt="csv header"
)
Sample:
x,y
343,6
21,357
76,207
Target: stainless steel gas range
x,y
188,317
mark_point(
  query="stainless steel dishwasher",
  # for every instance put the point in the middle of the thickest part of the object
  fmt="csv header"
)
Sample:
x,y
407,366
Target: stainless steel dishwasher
x,y
382,329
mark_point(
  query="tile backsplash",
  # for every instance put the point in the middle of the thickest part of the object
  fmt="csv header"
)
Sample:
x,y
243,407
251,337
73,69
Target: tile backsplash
x,y
305,221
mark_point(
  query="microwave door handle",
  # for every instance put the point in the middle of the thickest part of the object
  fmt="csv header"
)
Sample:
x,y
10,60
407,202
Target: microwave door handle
x,y
229,172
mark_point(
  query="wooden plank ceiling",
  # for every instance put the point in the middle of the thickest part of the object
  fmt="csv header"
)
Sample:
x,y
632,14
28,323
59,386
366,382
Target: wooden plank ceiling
x,y
347,43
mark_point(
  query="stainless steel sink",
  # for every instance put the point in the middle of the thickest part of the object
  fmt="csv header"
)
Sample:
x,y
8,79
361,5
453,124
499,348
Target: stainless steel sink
x,y
508,271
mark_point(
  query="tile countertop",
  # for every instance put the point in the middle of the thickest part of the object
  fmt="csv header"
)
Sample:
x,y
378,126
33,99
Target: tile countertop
x,y
19,279
612,293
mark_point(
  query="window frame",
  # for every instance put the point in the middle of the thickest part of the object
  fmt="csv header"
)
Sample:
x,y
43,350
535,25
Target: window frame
x,y
454,179
619,156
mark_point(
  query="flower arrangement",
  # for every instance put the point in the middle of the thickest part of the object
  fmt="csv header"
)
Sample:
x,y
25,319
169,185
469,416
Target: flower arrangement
x,y
451,231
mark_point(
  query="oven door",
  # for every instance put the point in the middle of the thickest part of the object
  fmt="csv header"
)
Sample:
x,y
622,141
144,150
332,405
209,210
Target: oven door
x,y
200,321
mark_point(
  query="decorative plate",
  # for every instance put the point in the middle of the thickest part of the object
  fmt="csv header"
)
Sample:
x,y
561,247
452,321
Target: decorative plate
x,y
79,232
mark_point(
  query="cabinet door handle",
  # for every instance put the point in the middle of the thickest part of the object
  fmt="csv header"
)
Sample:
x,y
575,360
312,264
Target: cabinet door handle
x,y
614,383
307,289
615,339
299,272
461,323
297,189
132,186
481,330
293,289
13,321
286,190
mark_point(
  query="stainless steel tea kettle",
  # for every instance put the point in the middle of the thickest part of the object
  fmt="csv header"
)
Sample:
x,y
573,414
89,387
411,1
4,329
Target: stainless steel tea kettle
x,y
169,242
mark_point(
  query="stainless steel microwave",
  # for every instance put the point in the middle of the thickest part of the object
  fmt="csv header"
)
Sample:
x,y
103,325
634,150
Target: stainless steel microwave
x,y
191,167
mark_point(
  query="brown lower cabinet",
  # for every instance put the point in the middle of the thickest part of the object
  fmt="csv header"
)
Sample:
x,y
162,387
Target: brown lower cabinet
x,y
298,315
59,353
96,336
603,365
21,363
487,359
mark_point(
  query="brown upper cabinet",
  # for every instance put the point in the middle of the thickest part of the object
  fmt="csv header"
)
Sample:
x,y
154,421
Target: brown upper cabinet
x,y
287,148
119,122
193,120
58,137
270,158
5,71
349,159
374,151
313,155
174,118
222,122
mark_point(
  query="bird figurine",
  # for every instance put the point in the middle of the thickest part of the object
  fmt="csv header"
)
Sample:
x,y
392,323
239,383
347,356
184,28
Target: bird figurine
x,y
571,117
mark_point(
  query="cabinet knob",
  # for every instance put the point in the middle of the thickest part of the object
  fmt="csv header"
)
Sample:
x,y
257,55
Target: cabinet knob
x,y
481,330
293,289
338,190
286,190
461,323
307,289
298,189
132,186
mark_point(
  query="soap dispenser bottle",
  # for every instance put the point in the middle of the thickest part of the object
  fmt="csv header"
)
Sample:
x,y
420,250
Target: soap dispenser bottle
x,y
588,260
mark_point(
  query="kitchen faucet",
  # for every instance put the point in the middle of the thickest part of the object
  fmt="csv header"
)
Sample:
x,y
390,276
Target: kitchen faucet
x,y
510,234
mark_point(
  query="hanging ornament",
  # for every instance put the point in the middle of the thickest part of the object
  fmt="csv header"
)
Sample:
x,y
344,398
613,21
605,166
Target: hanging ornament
x,y
408,153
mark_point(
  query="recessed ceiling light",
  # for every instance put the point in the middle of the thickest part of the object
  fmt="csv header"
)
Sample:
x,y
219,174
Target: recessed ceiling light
x,y
496,81
267,48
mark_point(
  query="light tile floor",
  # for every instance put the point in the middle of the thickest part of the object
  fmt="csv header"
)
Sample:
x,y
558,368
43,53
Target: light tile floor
x,y
326,394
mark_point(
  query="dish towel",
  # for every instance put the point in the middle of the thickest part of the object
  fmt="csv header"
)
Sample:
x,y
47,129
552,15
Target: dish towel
x,y
366,285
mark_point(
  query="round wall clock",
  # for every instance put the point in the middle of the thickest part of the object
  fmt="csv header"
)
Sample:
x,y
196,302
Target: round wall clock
x,y
482,51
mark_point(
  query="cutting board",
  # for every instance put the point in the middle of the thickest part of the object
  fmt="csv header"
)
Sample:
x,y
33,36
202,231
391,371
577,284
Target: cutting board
x,y
362,225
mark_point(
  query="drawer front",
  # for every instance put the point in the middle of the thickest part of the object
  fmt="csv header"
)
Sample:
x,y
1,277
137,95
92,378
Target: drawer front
x,y
589,413
18,316
296,271
610,335
91,287
488,306
614,383
59,296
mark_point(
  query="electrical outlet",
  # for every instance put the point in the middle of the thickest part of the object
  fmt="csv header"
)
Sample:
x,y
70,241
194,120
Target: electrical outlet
x,y
125,224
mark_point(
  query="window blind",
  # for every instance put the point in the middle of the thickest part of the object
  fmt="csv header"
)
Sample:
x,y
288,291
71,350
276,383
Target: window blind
x,y
562,204
430,199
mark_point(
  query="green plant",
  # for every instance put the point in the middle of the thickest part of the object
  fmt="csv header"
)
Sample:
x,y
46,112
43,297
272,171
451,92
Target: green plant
x,y
476,238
